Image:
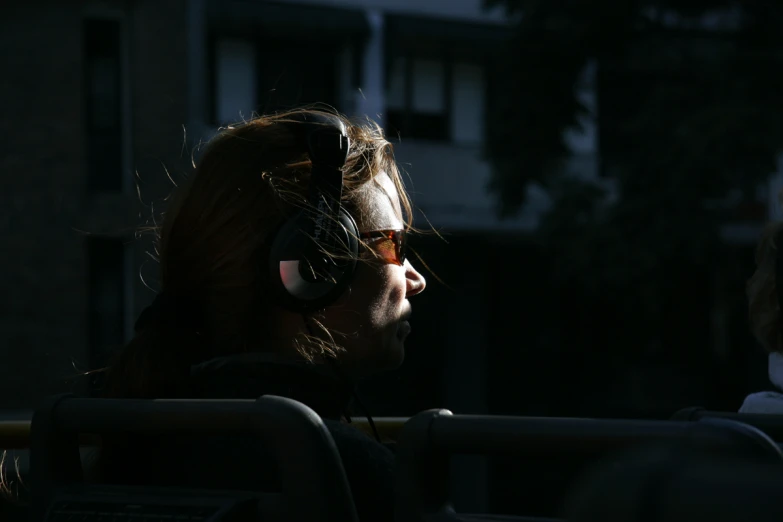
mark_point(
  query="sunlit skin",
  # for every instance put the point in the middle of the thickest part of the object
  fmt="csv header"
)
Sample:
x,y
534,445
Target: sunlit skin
x,y
370,320
374,312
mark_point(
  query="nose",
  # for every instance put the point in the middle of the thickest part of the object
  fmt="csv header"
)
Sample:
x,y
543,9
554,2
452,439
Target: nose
x,y
415,281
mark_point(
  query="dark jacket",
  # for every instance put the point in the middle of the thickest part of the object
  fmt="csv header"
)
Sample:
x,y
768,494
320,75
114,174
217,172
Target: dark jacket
x,y
239,462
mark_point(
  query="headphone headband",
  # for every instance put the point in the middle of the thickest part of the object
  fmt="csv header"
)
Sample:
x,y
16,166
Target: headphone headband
x,y
313,255
327,145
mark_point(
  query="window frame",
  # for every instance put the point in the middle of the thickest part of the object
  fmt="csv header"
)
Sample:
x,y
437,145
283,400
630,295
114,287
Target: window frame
x,y
123,179
264,46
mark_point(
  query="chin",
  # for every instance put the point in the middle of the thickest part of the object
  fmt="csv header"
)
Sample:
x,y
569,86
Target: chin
x,y
383,359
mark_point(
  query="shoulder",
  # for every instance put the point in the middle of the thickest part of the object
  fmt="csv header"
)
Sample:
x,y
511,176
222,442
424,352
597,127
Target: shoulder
x,y
763,402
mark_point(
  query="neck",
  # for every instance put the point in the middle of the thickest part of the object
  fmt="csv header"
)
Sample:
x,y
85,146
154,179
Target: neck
x,y
250,375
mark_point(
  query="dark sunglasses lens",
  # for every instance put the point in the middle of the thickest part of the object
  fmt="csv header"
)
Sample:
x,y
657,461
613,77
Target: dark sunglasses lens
x,y
401,247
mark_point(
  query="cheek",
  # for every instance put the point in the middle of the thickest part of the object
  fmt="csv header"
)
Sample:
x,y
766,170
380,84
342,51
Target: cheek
x,y
375,293
396,285
375,296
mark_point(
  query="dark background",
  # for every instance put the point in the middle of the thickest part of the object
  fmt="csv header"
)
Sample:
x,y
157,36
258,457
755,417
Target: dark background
x,y
625,300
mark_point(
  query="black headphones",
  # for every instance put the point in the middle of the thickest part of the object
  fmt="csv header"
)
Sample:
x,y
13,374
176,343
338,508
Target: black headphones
x,y
312,256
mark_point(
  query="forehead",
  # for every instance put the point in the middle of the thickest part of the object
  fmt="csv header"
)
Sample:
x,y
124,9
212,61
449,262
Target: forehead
x,y
379,206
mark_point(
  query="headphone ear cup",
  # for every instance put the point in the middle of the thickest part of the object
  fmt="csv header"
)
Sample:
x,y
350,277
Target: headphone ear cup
x,y
291,275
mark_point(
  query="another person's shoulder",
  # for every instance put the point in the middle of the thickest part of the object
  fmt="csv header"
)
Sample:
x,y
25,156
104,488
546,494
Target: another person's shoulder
x,y
768,402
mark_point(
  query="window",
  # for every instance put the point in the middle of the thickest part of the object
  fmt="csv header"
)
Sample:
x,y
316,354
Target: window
x,y
262,76
103,95
416,99
235,88
395,96
438,100
467,104
298,73
107,277
428,87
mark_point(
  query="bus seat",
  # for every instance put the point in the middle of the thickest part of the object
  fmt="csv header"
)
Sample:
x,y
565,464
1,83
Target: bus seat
x,y
567,445
770,424
314,486
15,429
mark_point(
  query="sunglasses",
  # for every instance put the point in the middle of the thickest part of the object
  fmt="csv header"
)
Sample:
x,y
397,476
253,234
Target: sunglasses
x,y
389,245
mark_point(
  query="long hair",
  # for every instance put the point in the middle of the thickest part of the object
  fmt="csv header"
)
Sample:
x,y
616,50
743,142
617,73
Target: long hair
x,y
210,247
12,488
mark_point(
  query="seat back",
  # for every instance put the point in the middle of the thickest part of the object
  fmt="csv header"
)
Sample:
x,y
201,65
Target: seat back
x,y
15,429
314,485
676,484
770,424
430,438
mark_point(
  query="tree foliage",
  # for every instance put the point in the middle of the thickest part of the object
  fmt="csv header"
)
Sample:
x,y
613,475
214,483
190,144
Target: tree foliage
x,y
684,90
690,117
